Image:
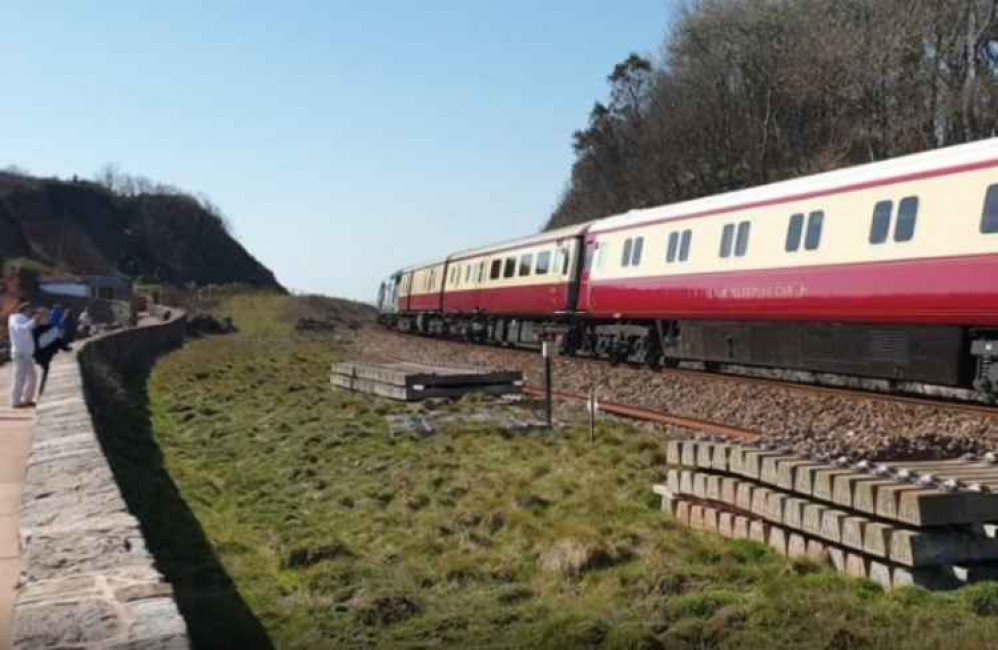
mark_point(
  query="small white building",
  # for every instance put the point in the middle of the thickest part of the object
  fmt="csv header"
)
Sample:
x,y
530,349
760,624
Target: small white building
x,y
65,287
104,287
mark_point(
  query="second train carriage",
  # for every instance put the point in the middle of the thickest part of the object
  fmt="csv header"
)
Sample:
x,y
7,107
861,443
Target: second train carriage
x,y
886,270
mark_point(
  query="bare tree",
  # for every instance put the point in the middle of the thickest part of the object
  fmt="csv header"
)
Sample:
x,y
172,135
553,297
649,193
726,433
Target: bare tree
x,y
751,91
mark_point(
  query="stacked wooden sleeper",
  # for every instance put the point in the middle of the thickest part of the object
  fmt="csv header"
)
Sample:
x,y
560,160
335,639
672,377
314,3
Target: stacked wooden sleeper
x,y
924,523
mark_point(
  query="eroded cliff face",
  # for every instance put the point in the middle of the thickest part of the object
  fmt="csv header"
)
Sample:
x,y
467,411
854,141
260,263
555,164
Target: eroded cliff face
x,y
80,227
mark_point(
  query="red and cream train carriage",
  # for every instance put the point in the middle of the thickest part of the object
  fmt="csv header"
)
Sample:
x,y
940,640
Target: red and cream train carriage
x,y
885,270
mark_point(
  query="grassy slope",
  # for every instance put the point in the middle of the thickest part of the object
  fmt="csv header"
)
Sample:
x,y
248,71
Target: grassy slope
x,y
339,535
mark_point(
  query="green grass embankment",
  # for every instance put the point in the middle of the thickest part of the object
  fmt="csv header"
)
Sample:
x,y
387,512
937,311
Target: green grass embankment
x,y
337,534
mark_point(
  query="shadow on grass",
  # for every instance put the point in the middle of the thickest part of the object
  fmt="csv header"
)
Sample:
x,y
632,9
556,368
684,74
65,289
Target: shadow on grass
x,y
216,614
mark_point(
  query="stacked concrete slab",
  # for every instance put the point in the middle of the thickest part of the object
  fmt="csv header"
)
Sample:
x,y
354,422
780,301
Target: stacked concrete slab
x,y
414,381
923,523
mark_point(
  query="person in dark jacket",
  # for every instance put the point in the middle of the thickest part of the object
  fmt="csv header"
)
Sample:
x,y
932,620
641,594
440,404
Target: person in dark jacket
x,y
48,342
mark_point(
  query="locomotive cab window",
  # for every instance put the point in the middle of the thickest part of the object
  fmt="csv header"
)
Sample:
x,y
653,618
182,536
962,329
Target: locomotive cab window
x,y
673,250
625,255
989,220
904,229
795,229
742,239
543,263
881,224
684,245
815,221
526,263
727,238
510,269
496,270
564,261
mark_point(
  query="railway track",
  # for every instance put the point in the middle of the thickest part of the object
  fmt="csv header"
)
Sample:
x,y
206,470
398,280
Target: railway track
x,y
658,417
948,404
641,413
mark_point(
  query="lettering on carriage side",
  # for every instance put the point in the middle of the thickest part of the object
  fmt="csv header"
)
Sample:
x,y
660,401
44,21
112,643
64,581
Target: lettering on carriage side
x,y
793,291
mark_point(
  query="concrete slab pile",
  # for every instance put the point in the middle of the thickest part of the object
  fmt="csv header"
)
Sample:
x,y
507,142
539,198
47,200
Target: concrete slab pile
x,y
926,523
413,381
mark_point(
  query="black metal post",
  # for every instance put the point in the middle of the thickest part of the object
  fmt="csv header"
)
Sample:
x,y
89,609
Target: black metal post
x,y
591,407
546,349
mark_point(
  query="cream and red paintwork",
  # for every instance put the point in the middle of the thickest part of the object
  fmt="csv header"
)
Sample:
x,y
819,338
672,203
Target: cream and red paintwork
x,y
463,283
946,274
420,288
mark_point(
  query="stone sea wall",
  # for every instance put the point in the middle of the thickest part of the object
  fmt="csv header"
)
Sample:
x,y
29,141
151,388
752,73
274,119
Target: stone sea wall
x,y
88,580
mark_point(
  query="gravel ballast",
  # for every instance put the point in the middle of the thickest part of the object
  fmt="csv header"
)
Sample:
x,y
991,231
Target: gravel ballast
x,y
814,424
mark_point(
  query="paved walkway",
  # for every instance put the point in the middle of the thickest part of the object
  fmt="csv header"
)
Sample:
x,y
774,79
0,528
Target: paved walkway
x,y
15,445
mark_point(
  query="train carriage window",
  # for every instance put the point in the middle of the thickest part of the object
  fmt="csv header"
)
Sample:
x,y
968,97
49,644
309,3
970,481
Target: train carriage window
x,y
741,242
881,224
727,238
684,245
673,249
481,271
467,273
794,231
543,263
565,256
904,229
510,269
625,255
989,220
639,245
496,270
815,221
526,264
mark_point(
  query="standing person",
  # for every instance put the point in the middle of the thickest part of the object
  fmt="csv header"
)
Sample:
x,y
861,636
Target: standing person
x,y
22,349
84,324
68,329
57,316
48,342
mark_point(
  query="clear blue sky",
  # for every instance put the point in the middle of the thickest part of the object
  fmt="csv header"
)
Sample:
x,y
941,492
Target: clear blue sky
x,y
343,139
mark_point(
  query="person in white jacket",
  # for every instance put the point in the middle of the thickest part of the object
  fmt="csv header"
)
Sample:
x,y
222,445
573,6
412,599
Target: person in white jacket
x,y
22,350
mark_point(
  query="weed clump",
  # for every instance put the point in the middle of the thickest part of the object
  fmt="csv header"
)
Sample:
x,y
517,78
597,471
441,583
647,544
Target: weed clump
x,y
983,599
311,555
387,610
572,558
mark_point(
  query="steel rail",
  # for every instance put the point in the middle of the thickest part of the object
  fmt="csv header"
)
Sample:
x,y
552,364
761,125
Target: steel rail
x,y
649,415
